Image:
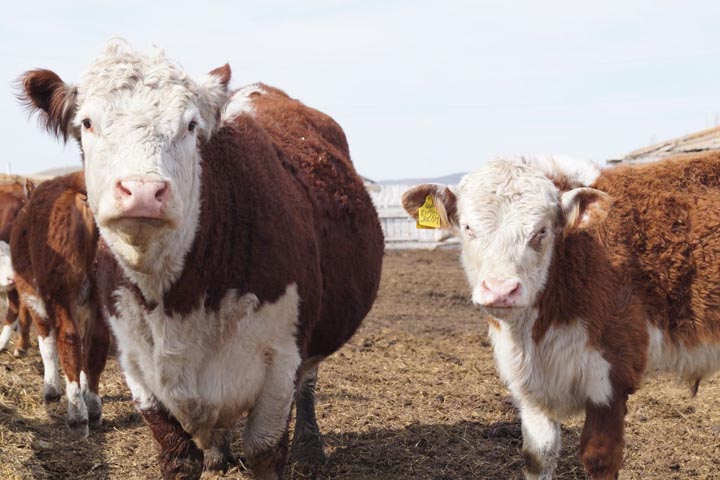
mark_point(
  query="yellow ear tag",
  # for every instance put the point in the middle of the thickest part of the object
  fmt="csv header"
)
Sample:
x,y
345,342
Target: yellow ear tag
x,y
428,216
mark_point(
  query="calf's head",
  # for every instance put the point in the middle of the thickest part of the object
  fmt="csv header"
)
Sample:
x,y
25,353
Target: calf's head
x,y
509,217
140,121
7,274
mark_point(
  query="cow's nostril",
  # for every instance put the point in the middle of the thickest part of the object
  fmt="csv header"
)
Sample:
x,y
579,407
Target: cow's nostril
x,y
162,192
123,189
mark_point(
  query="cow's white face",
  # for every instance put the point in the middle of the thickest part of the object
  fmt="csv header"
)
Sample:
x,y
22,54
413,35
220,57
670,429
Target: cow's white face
x,y
509,216
140,121
7,274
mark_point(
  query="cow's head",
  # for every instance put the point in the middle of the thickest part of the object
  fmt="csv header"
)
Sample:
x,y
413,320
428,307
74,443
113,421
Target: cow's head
x,y
509,216
140,121
7,274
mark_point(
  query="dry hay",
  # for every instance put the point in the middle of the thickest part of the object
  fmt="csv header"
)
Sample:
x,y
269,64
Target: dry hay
x,y
414,395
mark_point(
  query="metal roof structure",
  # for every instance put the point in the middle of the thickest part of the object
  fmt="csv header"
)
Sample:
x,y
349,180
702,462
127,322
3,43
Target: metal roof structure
x,y
695,142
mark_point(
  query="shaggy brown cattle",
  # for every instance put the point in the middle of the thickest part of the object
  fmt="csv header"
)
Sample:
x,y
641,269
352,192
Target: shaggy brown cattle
x,y
240,248
590,289
53,245
14,193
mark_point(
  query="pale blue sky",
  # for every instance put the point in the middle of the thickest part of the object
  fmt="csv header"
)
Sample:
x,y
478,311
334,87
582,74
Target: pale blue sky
x,y
422,88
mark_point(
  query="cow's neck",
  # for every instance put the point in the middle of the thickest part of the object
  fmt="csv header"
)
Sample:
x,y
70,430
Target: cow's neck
x,y
568,290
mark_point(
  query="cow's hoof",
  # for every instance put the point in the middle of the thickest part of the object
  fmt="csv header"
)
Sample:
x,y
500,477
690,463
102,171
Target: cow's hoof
x,y
185,468
95,419
94,408
50,394
307,456
216,460
18,353
79,429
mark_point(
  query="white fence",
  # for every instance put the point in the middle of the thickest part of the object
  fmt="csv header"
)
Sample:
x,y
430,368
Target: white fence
x,y
399,228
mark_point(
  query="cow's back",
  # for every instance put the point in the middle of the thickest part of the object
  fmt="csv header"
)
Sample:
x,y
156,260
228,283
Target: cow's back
x,y
665,234
54,240
13,196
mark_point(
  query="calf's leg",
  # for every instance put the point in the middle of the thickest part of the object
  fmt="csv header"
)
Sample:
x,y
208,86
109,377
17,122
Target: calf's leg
x,y
601,442
70,350
24,320
218,456
541,443
95,351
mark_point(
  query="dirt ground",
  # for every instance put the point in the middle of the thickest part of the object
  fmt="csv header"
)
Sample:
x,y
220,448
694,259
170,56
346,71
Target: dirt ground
x,y
414,395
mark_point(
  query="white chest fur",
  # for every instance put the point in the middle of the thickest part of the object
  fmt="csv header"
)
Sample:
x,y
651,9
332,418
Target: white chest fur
x,y
558,374
208,367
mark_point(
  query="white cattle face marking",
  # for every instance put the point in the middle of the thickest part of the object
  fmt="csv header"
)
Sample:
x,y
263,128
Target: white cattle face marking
x,y
7,274
141,121
509,216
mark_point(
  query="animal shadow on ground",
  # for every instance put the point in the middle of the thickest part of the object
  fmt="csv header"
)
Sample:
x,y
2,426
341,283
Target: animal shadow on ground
x,y
465,450
37,444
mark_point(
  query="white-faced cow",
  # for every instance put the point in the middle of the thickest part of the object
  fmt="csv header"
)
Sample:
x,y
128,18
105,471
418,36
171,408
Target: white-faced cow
x,y
53,245
239,248
589,289
7,289
14,193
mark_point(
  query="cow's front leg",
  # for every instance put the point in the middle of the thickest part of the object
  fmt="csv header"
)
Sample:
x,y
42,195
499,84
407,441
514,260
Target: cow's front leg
x,y
541,443
218,455
266,433
601,442
179,457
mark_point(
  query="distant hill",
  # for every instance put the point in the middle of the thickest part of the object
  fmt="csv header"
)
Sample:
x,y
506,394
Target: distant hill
x,y
452,179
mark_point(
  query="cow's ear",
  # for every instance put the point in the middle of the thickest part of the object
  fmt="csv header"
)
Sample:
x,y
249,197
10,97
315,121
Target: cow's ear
x,y
212,97
443,200
44,91
584,207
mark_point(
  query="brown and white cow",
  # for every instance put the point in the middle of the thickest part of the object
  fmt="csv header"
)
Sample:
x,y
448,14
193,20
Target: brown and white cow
x,y
53,245
13,196
589,288
239,249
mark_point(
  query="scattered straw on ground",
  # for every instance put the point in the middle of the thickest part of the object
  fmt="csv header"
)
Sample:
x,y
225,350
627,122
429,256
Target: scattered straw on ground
x,y
414,395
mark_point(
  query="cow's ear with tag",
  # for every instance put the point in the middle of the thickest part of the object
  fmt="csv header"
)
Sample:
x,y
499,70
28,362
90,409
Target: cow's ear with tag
x,y
432,206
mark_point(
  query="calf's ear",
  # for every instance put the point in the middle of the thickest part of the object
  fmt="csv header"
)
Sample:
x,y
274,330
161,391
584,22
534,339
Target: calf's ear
x,y
584,207
443,199
212,96
44,91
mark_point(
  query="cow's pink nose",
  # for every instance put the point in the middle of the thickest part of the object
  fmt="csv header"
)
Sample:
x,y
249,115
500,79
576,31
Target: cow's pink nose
x,y
142,198
499,293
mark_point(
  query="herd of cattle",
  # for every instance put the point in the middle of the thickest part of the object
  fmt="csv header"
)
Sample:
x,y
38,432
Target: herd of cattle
x,y
227,242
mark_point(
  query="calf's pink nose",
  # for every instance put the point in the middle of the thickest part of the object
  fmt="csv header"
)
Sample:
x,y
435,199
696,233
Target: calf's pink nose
x,y
499,293
142,198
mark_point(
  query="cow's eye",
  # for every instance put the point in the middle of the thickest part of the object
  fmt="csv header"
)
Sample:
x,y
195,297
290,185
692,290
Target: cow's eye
x,y
87,124
538,237
192,125
468,231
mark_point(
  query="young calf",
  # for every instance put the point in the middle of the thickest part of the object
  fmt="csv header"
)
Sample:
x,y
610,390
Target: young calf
x,y
53,245
240,248
14,194
588,290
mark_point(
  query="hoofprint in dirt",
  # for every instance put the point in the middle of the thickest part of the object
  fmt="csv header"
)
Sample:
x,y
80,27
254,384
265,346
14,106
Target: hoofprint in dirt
x,y
414,395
